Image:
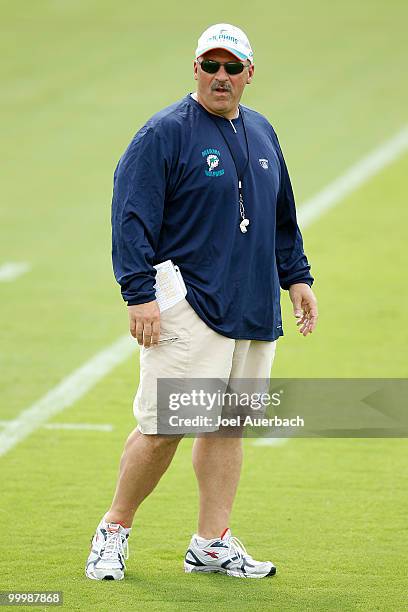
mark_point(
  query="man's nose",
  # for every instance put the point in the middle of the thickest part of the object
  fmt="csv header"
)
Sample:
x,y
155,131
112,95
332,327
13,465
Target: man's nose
x,y
222,74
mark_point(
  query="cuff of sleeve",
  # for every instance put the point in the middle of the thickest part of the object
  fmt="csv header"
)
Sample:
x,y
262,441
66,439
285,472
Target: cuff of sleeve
x,y
307,281
141,298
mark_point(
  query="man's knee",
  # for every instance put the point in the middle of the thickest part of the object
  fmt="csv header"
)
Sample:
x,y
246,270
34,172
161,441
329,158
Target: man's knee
x,y
152,441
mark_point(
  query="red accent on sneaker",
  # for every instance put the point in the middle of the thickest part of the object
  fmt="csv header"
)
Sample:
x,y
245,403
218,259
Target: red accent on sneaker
x,y
212,553
224,532
116,523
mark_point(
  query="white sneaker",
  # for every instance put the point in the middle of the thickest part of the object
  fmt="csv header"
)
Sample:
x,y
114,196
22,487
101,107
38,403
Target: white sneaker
x,y
109,549
226,555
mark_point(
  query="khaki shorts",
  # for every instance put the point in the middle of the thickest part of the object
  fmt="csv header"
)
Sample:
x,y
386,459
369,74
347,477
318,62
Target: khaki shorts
x,y
188,348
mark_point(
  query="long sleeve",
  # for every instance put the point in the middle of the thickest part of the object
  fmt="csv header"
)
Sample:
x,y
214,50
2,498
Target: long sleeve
x,y
292,263
137,212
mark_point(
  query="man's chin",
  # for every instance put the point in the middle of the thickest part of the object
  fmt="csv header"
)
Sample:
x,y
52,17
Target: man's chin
x,y
222,102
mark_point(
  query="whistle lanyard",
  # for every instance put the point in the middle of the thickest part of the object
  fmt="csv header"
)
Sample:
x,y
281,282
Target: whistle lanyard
x,y
244,220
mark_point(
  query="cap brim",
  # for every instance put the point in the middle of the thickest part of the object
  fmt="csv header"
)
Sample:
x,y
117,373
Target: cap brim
x,y
234,52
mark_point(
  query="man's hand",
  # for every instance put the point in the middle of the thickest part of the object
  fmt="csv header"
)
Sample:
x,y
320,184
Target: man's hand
x,y
144,323
304,307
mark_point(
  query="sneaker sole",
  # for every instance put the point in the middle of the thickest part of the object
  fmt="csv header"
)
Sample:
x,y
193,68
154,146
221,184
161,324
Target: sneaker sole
x,y
104,575
189,569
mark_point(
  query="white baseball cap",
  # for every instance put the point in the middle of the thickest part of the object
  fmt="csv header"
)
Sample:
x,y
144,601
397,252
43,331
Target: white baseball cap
x,y
228,37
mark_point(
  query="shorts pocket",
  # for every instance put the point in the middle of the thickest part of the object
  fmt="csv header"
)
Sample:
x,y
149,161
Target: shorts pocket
x,y
172,322
168,340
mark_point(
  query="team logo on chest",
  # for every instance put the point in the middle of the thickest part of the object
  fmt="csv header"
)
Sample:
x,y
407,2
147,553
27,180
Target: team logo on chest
x,y
212,158
264,163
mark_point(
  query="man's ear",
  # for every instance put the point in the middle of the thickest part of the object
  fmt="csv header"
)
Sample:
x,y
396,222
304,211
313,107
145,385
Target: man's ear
x,y
251,71
195,64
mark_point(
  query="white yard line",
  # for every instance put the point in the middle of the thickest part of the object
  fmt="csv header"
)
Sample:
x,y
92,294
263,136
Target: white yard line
x,y
269,441
79,426
74,386
70,426
68,391
11,270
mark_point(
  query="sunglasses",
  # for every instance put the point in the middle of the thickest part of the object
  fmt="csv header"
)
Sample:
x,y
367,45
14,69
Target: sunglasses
x,y
211,66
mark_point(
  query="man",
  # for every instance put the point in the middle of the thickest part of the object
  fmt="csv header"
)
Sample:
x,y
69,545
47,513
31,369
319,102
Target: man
x,y
203,184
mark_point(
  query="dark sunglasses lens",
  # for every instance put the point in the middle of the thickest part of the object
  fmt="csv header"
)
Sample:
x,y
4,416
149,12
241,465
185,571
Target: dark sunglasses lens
x,y
234,67
210,66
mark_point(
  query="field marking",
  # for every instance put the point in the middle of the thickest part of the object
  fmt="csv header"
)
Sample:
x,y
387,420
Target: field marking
x,y
358,174
79,426
82,380
66,392
264,441
9,271
68,426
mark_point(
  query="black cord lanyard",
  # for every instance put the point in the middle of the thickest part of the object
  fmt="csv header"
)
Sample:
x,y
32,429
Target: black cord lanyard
x,y
244,221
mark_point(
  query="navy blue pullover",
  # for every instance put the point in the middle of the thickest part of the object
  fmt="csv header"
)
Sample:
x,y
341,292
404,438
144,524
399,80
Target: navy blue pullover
x,y
176,197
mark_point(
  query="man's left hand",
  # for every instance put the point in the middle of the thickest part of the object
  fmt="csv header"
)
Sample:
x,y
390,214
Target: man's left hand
x,y
304,307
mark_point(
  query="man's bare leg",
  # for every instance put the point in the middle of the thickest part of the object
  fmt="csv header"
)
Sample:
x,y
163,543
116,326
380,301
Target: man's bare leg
x,y
217,463
144,461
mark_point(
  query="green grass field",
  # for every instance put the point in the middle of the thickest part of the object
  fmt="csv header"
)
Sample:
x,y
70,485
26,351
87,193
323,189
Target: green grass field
x,y
78,79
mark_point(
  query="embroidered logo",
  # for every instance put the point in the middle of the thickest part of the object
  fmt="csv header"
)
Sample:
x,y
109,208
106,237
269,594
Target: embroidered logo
x,y
223,36
213,159
264,163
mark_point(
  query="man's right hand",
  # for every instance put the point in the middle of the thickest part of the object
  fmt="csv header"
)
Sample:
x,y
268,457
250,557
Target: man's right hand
x,y
144,323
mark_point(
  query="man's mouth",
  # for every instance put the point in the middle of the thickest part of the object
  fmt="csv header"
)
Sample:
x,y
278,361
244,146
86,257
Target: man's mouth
x,y
222,88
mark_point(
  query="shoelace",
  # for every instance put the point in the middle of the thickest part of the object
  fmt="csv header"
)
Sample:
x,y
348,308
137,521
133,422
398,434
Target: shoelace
x,y
236,546
116,544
